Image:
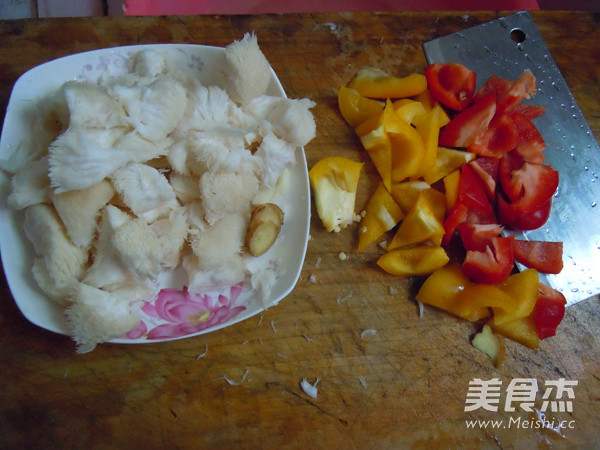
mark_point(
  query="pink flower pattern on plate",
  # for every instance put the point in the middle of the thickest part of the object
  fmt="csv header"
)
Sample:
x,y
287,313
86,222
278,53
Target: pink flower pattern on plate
x,y
186,313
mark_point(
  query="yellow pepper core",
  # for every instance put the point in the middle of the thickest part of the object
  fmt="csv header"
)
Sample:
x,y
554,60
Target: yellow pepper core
x,y
334,181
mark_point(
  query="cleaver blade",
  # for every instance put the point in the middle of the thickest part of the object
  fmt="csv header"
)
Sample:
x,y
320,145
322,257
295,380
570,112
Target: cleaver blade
x,y
506,47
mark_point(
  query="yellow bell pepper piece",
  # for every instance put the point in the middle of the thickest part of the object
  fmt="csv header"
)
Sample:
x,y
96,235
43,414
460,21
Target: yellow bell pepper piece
x,y
521,330
420,225
451,185
426,99
406,194
523,287
394,146
375,83
448,288
442,288
382,214
429,103
369,125
447,160
378,145
408,109
355,108
407,146
437,200
471,301
413,261
428,126
334,181
403,101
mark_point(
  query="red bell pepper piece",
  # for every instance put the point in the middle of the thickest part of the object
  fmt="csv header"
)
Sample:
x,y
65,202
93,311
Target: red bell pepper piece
x,y
451,84
526,184
546,257
549,311
486,168
471,191
493,265
457,216
494,85
477,236
529,142
469,124
500,137
509,94
511,215
524,87
530,111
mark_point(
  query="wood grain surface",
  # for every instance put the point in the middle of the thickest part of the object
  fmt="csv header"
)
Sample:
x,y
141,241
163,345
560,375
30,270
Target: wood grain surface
x,y
404,387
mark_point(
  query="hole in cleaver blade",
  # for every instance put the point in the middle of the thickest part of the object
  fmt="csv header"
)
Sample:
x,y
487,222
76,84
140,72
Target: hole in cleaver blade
x,y
506,47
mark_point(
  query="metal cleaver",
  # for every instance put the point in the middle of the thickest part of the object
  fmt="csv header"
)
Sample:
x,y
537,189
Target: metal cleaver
x,y
506,47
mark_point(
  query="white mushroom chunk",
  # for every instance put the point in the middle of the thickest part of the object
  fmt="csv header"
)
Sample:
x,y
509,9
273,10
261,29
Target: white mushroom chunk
x,y
45,120
108,271
153,110
216,259
138,248
223,240
79,211
62,262
194,213
97,316
261,278
186,187
275,155
81,157
293,121
90,106
221,150
145,190
226,193
140,149
30,185
246,70
207,107
289,119
149,63
171,233
59,292
201,280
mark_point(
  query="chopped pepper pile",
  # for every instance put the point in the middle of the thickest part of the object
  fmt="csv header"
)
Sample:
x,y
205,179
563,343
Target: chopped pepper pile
x,y
457,167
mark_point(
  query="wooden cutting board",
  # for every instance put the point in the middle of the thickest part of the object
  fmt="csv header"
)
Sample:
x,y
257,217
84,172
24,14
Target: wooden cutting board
x,y
405,386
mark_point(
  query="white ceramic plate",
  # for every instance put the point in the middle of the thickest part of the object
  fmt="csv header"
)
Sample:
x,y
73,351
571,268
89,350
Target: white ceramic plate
x,y
168,317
